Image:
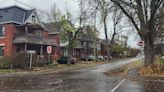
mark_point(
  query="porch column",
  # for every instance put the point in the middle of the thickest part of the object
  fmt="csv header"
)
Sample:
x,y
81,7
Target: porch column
x,y
25,47
26,29
74,52
41,50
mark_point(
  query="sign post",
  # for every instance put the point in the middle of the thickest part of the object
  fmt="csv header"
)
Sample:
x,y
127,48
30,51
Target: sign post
x,y
49,51
141,44
31,52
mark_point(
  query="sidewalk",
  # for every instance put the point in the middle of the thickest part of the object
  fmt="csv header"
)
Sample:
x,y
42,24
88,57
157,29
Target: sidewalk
x,y
48,69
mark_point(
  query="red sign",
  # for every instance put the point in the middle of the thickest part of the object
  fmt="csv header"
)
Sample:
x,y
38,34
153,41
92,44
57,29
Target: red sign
x,y
49,49
141,43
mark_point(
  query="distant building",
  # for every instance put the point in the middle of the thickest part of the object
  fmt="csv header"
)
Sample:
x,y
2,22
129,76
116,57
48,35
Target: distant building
x,y
85,45
103,47
55,30
159,40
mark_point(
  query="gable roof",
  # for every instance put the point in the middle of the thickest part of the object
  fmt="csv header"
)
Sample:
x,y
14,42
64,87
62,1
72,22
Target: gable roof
x,y
28,13
14,14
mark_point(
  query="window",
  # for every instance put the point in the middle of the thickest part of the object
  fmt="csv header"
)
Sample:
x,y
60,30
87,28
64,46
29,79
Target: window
x,y
2,31
33,19
1,50
85,44
1,16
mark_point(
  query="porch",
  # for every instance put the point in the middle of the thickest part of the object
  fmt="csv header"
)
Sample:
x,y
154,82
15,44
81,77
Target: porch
x,y
24,43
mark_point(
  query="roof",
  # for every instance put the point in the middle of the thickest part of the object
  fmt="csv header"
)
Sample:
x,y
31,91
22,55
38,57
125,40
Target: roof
x,y
103,41
14,14
64,44
79,47
30,27
34,40
53,33
53,26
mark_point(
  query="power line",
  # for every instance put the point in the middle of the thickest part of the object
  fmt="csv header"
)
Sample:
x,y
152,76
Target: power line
x,y
29,6
33,8
24,4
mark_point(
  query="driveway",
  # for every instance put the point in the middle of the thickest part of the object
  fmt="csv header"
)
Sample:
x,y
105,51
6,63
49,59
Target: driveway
x,y
83,80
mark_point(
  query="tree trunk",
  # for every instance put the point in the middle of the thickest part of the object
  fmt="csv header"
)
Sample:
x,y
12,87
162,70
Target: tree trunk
x,y
148,49
69,55
69,49
106,36
86,52
112,39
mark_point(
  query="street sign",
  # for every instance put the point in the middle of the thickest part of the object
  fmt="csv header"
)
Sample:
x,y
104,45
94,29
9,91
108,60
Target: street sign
x,y
141,43
31,51
49,49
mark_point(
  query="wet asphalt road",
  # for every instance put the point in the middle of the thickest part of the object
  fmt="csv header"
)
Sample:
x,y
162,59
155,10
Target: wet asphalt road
x,y
83,80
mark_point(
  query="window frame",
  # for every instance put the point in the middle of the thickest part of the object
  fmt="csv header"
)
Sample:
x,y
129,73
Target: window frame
x,y
2,33
2,51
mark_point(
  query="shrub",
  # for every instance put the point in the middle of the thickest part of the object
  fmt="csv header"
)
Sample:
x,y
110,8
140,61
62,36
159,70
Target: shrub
x,y
20,60
5,62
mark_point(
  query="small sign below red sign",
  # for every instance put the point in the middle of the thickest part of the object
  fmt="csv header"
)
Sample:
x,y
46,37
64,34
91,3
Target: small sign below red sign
x,y
31,52
49,49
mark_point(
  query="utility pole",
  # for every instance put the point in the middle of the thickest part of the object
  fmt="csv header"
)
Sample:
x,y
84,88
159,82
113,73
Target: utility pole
x,y
94,38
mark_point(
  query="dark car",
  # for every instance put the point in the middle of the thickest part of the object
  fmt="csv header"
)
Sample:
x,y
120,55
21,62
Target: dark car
x,y
64,60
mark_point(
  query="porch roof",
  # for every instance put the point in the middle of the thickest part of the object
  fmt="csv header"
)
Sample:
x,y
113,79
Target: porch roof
x,y
30,26
34,40
79,47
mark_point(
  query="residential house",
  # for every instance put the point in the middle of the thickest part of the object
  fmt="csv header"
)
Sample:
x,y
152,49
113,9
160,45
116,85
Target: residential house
x,y
54,32
159,40
21,30
103,47
55,29
85,46
118,40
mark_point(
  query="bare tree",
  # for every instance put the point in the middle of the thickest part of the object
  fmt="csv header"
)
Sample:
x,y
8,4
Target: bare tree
x,y
67,22
102,8
72,31
117,16
143,15
55,14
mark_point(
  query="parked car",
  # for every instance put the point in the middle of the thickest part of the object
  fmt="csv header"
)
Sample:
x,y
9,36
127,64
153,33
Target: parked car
x,y
109,57
64,60
100,57
90,58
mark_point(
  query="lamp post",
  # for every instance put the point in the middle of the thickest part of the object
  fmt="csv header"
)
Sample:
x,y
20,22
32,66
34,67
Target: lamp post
x,y
94,38
86,53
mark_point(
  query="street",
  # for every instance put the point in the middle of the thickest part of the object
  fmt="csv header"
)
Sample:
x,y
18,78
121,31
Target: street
x,y
82,46
83,80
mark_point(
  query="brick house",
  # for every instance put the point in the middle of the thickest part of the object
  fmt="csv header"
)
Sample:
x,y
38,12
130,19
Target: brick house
x,y
54,32
21,30
56,29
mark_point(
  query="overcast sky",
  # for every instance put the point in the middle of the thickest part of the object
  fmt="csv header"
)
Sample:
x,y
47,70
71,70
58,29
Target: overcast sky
x,y
44,4
72,6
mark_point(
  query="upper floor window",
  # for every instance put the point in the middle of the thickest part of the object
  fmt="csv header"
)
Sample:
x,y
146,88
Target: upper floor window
x,y
2,31
33,19
1,16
